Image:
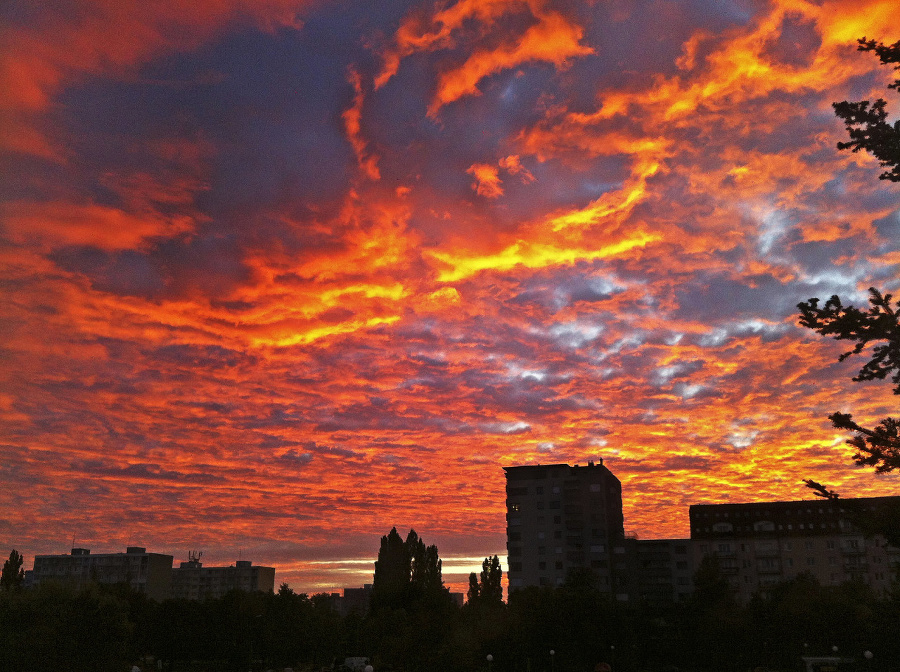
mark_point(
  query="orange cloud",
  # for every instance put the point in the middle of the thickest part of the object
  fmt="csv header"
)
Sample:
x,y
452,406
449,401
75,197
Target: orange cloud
x,y
59,224
551,39
554,39
352,123
487,180
59,46
416,34
375,354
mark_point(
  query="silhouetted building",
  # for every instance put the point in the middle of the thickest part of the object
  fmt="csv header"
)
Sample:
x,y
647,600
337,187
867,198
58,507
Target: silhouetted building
x,y
192,581
355,600
764,543
655,571
149,573
561,519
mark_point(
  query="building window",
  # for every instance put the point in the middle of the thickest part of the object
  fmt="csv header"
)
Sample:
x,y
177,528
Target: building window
x,y
542,565
539,490
540,535
542,550
515,536
810,561
554,504
558,564
515,566
808,545
557,534
559,550
557,520
829,544
555,489
514,507
540,506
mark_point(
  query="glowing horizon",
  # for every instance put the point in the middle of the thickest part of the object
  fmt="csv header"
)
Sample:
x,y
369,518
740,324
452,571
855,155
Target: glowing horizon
x,y
278,275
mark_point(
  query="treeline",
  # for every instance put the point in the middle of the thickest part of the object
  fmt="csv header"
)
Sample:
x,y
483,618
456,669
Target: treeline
x,y
414,626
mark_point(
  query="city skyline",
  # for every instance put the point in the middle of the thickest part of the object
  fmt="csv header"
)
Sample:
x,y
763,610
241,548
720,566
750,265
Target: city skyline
x,y
277,276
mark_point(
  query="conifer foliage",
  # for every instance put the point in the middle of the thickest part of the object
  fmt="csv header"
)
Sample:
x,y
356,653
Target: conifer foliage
x,y
867,123
406,572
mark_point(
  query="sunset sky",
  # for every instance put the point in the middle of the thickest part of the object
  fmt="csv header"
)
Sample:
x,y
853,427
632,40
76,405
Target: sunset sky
x,y
276,276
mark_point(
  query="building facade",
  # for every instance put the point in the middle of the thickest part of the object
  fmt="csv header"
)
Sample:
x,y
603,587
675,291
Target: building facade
x,y
192,581
559,519
149,573
655,571
761,544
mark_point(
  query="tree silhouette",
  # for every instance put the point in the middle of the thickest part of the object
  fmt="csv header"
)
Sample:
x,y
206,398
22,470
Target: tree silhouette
x,y
878,447
867,123
869,130
406,571
12,575
491,589
472,594
390,584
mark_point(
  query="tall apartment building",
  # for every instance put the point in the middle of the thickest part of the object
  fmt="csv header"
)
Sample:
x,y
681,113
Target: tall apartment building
x,y
192,581
764,543
149,573
560,518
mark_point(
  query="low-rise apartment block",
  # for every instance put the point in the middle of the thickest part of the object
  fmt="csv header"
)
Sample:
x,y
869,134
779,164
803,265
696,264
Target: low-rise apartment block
x,y
192,581
764,543
149,573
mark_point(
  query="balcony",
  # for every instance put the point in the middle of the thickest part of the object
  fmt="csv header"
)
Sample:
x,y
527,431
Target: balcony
x,y
853,551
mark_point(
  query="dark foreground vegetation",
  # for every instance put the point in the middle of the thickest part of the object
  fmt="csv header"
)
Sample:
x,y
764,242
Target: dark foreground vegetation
x,y
112,627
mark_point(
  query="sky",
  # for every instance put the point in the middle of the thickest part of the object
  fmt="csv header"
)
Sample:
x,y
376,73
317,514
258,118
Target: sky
x,y
277,276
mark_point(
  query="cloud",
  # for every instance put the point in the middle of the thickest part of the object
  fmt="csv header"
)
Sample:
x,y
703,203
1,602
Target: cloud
x,y
353,124
553,40
268,276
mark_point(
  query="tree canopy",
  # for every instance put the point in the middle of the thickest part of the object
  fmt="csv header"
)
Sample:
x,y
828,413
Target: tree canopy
x,y
406,571
489,590
12,575
879,327
867,123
